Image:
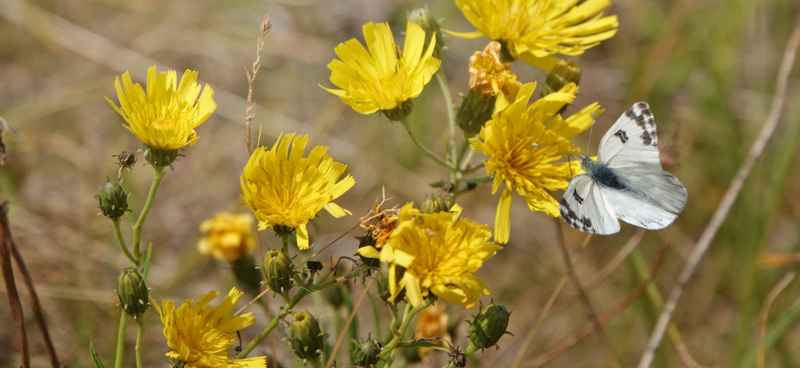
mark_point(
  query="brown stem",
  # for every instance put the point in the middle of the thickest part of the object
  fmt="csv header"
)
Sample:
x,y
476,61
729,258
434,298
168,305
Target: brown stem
x,y
11,288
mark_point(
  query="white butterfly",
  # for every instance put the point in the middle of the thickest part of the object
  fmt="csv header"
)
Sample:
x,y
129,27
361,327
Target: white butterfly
x,y
626,181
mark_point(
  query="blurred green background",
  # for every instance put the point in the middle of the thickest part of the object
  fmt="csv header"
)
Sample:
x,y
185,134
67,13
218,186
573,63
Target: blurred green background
x,y
706,67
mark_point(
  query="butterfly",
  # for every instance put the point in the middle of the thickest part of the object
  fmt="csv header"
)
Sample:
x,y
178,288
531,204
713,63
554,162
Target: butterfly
x,y
626,181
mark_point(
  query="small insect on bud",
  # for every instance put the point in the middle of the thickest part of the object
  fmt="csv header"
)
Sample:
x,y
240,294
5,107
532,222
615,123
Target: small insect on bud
x,y
278,271
489,326
132,292
423,17
113,200
366,353
126,160
435,204
458,358
563,73
305,337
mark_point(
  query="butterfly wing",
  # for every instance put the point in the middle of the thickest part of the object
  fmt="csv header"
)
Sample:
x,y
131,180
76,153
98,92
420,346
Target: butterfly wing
x,y
585,207
632,140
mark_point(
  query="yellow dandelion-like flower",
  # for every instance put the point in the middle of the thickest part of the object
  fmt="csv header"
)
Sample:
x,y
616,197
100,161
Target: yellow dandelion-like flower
x,y
227,236
201,335
535,29
383,78
523,142
439,253
166,115
283,188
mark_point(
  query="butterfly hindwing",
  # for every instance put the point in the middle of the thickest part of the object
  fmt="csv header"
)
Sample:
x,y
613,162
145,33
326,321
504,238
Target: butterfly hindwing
x,y
632,140
585,208
658,188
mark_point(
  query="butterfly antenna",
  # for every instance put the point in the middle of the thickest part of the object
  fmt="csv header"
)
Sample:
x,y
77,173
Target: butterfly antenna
x,y
591,128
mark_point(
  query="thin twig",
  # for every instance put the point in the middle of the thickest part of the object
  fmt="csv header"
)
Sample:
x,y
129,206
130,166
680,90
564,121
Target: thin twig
x,y
586,302
266,290
251,77
543,314
728,200
764,315
347,324
11,288
575,338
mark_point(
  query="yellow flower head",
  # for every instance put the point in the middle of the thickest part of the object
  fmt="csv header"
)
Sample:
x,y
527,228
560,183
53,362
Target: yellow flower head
x,y
492,77
283,188
166,115
201,335
439,253
383,77
536,29
227,236
522,143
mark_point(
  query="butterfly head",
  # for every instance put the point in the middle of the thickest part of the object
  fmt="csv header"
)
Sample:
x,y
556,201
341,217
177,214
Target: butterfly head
x,y
589,165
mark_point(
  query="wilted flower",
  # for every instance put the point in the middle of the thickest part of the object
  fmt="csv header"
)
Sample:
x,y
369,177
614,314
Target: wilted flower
x,y
228,237
283,188
201,335
523,142
383,78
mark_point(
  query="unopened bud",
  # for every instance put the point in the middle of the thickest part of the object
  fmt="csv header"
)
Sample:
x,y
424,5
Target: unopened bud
x,y
278,271
474,112
132,292
366,353
435,204
565,72
489,326
113,200
423,17
306,338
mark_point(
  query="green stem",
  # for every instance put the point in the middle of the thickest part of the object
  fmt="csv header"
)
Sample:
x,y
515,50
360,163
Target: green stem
x,y
139,336
285,239
123,319
451,119
461,151
158,174
471,349
422,148
261,336
407,317
121,242
478,180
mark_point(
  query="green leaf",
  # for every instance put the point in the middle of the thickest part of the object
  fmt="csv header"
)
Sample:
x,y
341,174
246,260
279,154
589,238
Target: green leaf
x,y
437,184
422,344
95,358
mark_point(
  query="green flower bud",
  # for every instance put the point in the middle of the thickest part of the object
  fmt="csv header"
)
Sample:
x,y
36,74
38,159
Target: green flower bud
x,y
489,325
435,204
368,241
159,157
279,270
132,292
474,112
400,112
306,338
113,200
423,17
383,283
565,72
505,53
366,353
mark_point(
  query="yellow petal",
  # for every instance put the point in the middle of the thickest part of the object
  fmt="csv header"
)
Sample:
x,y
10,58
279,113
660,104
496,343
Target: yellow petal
x,y
502,220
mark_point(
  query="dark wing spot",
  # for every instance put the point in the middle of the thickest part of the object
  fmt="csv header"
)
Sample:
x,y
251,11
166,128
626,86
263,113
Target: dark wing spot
x,y
577,197
580,223
622,135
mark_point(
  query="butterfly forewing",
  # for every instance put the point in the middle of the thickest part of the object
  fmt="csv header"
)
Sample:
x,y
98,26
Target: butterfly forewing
x,y
632,140
584,207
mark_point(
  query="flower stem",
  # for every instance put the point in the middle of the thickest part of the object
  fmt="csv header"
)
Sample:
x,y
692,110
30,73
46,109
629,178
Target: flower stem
x,y
121,241
407,317
451,119
123,319
139,336
422,148
261,336
158,174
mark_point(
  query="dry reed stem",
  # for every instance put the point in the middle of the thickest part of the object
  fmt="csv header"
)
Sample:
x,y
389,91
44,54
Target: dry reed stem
x,y
576,337
764,314
347,324
251,77
584,298
728,200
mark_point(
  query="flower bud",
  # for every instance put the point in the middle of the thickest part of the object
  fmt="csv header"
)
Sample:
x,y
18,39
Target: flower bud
x,y
475,110
113,200
489,326
435,204
306,338
565,72
400,112
423,17
159,157
132,292
279,270
366,353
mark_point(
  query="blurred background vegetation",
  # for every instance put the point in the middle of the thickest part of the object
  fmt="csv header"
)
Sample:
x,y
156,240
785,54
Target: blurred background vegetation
x,y
706,67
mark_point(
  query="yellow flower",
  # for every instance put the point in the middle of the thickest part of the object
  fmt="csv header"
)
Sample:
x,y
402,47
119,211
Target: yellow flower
x,y
439,253
285,189
228,236
535,29
522,143
383,78
201,335
166,115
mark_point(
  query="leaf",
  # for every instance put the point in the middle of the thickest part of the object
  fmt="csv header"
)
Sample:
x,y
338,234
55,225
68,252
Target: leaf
x,y
95,357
